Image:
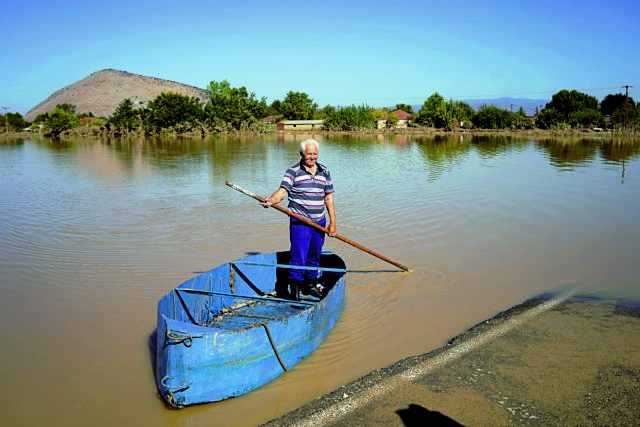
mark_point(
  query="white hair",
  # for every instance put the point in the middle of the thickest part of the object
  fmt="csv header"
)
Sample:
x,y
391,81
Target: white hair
x,y
306,142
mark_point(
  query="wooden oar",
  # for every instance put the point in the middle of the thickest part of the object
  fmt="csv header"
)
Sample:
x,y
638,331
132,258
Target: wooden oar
x,y
314,225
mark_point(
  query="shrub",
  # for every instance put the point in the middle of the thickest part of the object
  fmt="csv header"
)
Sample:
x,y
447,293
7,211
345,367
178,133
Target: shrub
x,y
492,117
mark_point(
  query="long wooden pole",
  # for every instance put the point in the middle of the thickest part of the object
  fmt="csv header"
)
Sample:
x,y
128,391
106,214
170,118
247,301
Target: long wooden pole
x,y
316,226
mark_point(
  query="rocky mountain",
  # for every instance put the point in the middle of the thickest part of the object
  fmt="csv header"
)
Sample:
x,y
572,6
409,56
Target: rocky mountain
x,y
101,92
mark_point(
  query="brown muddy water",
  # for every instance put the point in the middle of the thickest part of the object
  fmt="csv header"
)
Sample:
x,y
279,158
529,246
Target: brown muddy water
x,y
94,232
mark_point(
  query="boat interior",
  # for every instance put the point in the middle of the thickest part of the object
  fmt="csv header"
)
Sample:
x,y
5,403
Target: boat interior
x,y
245,292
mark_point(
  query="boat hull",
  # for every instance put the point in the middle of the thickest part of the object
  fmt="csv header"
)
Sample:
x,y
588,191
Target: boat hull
x,y
205,354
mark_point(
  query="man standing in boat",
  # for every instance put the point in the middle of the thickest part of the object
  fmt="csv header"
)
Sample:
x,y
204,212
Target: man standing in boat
x,y
309,187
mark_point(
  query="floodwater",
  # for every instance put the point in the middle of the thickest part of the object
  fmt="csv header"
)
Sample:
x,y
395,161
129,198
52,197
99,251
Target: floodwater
x,y
94,232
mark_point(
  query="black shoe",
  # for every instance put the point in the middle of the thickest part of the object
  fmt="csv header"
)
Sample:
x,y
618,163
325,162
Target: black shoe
x,y
282,290
312,287
295,288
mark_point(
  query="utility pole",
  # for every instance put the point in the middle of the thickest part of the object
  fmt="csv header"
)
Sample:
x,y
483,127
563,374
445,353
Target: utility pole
x,y
626,106
6,126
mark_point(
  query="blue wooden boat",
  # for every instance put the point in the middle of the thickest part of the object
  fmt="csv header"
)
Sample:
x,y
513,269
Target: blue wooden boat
x,y
226,332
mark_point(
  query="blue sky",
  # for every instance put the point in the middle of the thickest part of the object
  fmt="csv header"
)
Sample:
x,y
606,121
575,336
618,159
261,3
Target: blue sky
x,y
339,52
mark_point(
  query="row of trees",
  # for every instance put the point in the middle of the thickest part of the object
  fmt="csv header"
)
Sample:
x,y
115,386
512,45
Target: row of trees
x,y
572,109
229,108
566,110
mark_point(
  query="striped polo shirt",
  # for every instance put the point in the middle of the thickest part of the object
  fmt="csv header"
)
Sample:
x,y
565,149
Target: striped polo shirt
x,y
307,191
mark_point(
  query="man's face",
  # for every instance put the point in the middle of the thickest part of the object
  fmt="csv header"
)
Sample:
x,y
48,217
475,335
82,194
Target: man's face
x,y
310,156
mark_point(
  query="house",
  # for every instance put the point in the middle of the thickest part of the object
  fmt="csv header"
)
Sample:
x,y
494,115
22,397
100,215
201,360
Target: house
x,y
301,125
404,119
269,120
87,120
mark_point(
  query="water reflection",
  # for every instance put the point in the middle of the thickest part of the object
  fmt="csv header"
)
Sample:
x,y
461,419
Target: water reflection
x,y
11,141
617,152
570,154
438,150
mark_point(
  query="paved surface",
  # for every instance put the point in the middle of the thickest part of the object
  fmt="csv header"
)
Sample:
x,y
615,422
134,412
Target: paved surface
x,y
546,362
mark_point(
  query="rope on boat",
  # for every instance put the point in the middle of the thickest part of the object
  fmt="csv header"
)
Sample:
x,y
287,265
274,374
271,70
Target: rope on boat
x,y
170,394
273,345
177,337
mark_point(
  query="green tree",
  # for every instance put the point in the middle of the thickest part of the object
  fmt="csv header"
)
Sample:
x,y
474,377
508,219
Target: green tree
x,y
235,107
66,107
439,113
492,117
298,106
454,112
444,115
567,102
392,120
325,112
59,121
350,118
622,110
612,102
405,107
125,117
464,112
275,109
521,120
427,115
626,116
550,118
379,112
521,112
13,121
171,110
586,118
40,118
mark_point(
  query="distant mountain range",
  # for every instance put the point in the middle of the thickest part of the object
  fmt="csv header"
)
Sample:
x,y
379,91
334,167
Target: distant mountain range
x,y
101,92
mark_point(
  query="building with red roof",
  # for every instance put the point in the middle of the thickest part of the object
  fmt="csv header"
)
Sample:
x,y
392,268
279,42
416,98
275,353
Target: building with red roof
x,y
404,119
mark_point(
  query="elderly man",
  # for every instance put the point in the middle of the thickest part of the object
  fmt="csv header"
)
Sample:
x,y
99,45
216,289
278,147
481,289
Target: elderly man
x,y
309,187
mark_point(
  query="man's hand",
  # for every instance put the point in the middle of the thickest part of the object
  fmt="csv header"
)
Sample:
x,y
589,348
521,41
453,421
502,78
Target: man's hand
x,y
274,198
266,202
332,230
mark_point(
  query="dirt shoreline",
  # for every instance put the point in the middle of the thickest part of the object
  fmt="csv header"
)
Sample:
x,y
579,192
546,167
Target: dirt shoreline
x,y
544,362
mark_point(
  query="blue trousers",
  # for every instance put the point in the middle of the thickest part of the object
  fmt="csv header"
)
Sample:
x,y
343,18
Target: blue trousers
x,y
306,246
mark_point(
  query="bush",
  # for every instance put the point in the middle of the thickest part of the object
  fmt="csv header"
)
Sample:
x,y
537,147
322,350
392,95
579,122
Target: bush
x,y
350,118
586,118
170,109
492,117
59,121
125,117
392,120
549,118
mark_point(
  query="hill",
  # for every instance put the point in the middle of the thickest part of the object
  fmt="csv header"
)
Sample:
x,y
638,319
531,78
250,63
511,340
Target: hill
x,y
101,92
